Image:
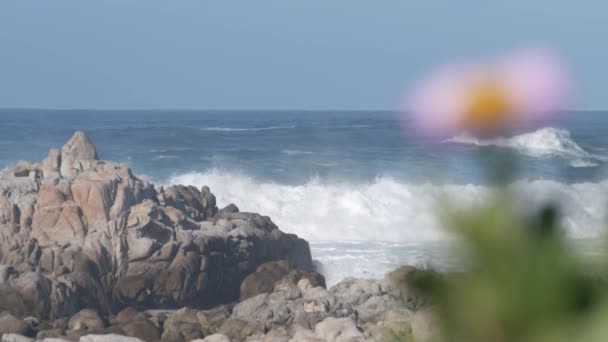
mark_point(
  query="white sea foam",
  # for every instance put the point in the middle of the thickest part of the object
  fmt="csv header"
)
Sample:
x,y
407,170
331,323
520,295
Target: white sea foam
x,y
349,224
545,142
296,152
386,209
580,163
165,156
245,129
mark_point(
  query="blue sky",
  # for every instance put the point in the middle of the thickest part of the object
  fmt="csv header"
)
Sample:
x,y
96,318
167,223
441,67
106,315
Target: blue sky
x,y
274,54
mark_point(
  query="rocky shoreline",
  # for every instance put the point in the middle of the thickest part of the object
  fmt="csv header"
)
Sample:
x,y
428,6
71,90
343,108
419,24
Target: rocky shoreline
x,y
90,252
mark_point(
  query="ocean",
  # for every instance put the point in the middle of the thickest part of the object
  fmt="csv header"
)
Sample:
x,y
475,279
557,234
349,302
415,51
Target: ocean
x,y
360,187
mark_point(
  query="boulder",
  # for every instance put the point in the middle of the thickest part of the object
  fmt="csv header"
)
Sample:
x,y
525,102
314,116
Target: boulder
x,y
11,301
212,320
339,330
182,326
35,290
109,338
425,326
10,324
142,329
226,211
215,338
15,338
74,291
264,278
86,319
240,329
127,315
268,275
301,334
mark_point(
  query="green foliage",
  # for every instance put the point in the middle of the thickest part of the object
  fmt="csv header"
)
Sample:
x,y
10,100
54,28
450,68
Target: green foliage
x,y
522,282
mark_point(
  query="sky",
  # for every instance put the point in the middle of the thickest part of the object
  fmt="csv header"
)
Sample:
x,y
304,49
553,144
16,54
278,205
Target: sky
x,y
275,54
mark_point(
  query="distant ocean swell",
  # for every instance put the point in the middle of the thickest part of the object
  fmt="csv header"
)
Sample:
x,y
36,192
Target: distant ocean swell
x,y
386,209
545,142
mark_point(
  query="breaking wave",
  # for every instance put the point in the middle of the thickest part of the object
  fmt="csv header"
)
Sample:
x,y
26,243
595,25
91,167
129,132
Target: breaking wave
x,y
545,142
386,209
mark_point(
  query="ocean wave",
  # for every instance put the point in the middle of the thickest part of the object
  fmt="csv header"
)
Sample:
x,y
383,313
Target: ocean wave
x,y
165,156
386,209
296,152
545,142
347,126
245,129
580,163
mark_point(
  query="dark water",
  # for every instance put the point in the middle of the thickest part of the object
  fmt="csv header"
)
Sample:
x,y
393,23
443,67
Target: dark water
x,y
293,147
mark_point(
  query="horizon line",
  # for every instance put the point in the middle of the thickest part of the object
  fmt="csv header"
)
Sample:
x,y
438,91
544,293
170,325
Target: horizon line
x,y
228,109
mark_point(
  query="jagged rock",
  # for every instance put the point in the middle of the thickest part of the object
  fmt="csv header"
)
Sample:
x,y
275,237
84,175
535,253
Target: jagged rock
x,y
75,153
51,164
197,204
104,239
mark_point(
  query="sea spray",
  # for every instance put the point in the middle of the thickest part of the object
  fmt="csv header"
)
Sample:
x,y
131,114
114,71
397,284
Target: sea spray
x,y
387,209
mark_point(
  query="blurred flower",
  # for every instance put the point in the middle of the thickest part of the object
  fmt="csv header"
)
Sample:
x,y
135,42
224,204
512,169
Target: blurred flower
x,y
523,89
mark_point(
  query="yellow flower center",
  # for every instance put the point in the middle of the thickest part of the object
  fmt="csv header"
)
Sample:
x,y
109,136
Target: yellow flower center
x,y
489,107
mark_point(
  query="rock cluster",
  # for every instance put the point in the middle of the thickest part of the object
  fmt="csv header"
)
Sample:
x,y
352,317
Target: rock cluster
x,y
295,310
77,232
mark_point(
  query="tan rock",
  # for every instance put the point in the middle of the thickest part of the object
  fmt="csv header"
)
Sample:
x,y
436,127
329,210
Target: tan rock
x,y
62,223
338,330
425,326
86,319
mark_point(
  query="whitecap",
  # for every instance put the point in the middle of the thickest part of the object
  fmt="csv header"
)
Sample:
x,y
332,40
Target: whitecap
x,y
545,142
245,129
296,152
165,156
582,163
